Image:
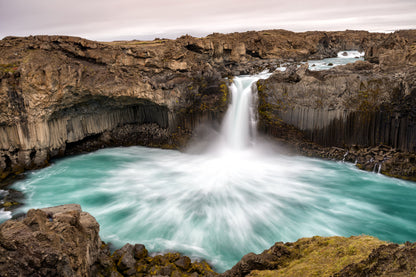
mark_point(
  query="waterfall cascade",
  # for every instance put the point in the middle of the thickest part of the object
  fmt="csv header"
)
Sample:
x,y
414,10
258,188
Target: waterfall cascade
x,y
238,197
240,123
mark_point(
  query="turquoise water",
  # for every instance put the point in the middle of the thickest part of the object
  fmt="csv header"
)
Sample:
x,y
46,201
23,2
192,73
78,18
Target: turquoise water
x,y
234,195
223,204
4,215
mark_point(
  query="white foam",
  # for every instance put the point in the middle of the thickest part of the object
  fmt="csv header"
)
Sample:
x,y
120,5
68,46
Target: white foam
x,y
350,54
343,57
239,196
5,215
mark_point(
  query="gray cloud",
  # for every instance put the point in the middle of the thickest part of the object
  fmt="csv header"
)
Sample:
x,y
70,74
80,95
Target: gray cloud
x,y
128,19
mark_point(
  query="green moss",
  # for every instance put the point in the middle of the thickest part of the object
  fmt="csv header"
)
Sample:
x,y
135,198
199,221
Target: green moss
x,y
201,268
172,257
224,90
324,256
154,270
260,87
3,175
268,111
9,68
368,96
10,204
203,107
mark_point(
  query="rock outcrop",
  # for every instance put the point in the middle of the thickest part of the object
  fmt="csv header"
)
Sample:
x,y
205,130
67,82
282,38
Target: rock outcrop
x,y
330,256
62,95
59,241
316,256
360,105
387,260
357,106
64,241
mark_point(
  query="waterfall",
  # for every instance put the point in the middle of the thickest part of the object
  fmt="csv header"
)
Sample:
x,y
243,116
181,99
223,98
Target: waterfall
x,y
227,200
345,155
240,122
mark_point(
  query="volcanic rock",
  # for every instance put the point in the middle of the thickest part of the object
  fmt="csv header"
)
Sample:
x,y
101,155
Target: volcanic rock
x,y
56,241
64,241
361,104
62,95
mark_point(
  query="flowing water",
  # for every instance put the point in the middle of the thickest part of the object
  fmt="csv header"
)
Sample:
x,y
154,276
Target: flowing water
x,y
4,215
236,196
342,58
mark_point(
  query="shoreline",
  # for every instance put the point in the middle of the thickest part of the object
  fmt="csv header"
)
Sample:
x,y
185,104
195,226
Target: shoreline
x,y
62,225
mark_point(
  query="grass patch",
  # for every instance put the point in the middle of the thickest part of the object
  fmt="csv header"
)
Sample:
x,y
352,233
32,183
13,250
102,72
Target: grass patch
x,y
324,256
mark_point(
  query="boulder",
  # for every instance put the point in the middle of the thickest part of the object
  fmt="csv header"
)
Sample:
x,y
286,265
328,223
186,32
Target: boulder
x,y
59,241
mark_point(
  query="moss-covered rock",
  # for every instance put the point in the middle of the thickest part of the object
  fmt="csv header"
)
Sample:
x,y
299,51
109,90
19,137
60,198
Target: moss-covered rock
x,y
316,256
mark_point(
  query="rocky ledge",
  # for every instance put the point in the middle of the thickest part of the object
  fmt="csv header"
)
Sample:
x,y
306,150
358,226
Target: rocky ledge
x,y
64,241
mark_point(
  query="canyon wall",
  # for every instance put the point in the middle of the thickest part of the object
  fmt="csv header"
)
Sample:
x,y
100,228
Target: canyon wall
x,y
64,95
345,107
359,105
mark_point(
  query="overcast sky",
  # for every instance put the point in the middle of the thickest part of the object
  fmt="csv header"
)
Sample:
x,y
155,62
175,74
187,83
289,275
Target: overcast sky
x,y
129,19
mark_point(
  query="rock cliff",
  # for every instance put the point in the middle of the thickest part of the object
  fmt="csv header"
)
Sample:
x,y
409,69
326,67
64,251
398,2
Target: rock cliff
x,y
63,95
64,241
358,105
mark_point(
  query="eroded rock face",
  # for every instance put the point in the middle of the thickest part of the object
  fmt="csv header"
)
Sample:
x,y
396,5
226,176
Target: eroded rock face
x,y
64,241
356,106
61,95
59,241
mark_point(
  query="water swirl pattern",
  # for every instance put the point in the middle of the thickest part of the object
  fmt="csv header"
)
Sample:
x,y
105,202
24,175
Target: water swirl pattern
x,y
236,196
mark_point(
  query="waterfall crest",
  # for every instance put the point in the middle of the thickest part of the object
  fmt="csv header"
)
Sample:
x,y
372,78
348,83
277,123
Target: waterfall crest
x,y
240,122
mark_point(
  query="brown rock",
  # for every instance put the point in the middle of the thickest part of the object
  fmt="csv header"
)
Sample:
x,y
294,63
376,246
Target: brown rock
x,y
61,241
273,258
387,260
183,262
126,260
65,95
139,251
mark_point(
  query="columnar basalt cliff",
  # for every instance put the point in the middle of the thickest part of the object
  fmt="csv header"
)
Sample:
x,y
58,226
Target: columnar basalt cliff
x,y
64,95
351,107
